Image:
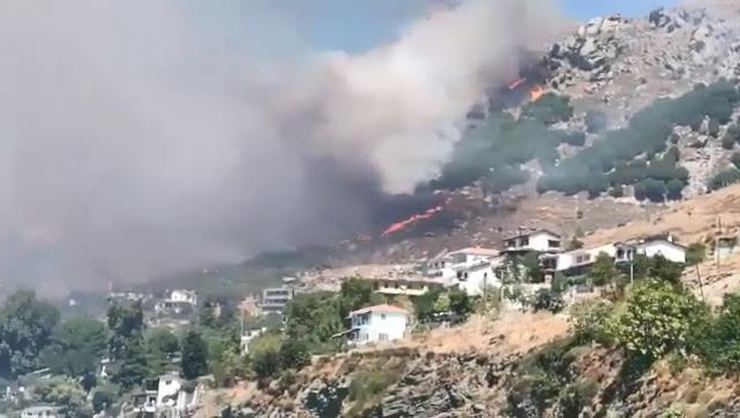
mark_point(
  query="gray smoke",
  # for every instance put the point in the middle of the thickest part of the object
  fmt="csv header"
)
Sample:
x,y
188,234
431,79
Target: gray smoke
x,y
140,137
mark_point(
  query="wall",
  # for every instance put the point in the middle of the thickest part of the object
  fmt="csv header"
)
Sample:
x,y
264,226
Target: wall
x,y
668,250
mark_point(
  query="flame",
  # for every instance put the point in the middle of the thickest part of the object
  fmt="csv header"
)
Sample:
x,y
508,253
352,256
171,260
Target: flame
x,y
429,213
516,83
536,93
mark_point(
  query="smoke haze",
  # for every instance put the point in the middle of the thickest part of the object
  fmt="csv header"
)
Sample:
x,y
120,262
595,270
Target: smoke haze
x,y
150,136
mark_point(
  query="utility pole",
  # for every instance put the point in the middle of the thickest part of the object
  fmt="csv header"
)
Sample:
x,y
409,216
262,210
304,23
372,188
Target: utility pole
x,y
698,278
632,265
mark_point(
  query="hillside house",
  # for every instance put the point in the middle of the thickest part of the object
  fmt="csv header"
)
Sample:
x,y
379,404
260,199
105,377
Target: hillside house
x,y
41,411
651,247
377,324
403,285
274,300
573,262
540,241
165,396
183,295
469,269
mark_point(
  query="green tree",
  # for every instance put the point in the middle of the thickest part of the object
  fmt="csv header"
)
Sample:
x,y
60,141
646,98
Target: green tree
x,y
126,343
443,303
161,347
725,178
65,392
651,189
460,303
26,327
674,189
603,271
194,355
589,321
264,352
354,293
77,346
294,354
658,318
314,318
718,343
425,305
695,253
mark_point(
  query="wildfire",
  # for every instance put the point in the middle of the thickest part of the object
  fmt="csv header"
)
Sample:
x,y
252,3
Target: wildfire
x,y
516,83
429,213
536,93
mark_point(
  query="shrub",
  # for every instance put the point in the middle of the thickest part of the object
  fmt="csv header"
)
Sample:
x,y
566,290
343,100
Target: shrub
x,y
460,303
617,191
724,179
736,160
713,128
589,321
695,253
294,353
728,142
674,189
264,352
658,318
546,299
550,109
718,343
575,397
651,189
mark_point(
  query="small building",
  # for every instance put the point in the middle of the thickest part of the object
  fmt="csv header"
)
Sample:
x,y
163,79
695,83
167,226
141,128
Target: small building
x,y
185,296
447,265
651,247
275,300
541,241
41,411
573,262
247,337
404,285
377,324
474,279
165,396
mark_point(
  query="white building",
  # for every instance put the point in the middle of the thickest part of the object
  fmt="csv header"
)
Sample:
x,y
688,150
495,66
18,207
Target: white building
x,y
542,241
166,397
276,299
574,262
183,295
380,323
41,411
403,285
470,269
651,247
247,338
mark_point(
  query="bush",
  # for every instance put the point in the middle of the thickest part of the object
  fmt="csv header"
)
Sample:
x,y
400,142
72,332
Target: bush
x,y
674,189
718,343
736,160
546,299
550,109
724,179
589,321
728,142
651,189
368,385
460,303
695,253
294,353
264,352
658,318
617,191
713,128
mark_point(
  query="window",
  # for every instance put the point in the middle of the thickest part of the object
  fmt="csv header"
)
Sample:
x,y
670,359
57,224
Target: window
x,y
553,243
383,337
524,241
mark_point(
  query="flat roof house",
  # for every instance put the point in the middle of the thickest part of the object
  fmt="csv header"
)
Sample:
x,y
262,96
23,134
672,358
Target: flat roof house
x,y
276,299
651,247
542,241
574,262
377,324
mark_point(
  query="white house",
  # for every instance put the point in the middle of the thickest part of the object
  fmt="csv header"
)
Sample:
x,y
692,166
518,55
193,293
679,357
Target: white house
x,y
183,295
405,285
574,262
41,411
470,269
165,396
651,247
248,336
275,300
542,241
380,323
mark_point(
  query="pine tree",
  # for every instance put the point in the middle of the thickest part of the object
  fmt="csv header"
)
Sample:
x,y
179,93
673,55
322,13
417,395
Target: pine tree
x,y
194,355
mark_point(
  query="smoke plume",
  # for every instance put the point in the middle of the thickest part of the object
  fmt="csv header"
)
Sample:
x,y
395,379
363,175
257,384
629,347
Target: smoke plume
x,y
148,136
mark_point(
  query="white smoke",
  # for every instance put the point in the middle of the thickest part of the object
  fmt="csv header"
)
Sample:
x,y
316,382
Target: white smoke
x,y
134,142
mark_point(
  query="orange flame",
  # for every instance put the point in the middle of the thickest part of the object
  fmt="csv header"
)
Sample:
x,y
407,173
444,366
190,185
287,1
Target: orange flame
x,y
516,83
429,213
536,93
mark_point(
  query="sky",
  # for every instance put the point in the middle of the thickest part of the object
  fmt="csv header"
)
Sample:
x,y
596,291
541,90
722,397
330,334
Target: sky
x,y
358,25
